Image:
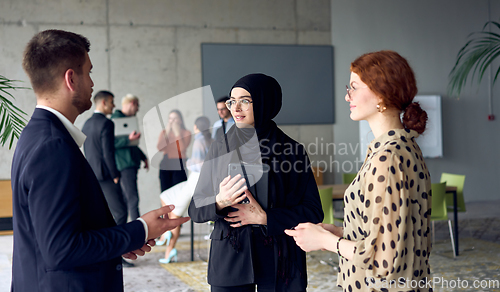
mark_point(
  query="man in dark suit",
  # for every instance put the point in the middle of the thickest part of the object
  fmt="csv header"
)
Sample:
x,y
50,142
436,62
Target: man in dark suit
x,y
226,120
99,148
65,238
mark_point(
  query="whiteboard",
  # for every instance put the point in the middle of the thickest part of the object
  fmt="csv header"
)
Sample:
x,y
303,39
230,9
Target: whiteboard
x,y
430,142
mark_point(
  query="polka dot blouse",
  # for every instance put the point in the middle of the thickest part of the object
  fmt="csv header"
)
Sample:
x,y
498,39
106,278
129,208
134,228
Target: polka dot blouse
x,y
387,215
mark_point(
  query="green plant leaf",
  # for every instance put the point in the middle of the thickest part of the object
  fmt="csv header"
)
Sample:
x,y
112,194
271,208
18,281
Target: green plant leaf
x,y
12,118
474,58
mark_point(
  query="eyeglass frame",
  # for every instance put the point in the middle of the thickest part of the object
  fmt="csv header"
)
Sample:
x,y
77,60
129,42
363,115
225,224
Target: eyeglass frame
x,y
352,89
238,102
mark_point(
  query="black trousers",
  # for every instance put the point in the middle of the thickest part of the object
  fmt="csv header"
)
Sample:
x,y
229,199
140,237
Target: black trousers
x,y
128,183
116,201
170,177
263,267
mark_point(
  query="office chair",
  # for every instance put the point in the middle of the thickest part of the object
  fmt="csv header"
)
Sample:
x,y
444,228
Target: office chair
x,y
327,204
347,178
439,211
455,180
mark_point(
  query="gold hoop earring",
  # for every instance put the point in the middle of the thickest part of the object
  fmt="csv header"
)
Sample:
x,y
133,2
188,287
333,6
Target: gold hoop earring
x,y
380,108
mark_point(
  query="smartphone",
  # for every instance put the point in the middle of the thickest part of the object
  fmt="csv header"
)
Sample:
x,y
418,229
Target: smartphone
x,y
257,179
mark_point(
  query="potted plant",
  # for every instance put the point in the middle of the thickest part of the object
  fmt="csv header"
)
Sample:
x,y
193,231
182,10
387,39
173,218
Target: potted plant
x,y
12,120
475,56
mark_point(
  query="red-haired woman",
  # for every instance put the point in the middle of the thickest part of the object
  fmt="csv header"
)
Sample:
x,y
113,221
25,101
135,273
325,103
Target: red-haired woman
x,y
385,241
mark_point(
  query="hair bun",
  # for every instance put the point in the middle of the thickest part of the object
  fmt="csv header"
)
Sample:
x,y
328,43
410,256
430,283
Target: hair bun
x,y
415,118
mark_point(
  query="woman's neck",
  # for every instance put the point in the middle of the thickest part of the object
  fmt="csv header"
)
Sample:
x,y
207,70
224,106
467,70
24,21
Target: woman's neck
x,y
383,122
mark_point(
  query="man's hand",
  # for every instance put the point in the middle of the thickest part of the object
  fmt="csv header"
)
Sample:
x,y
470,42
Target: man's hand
x,y
146,164
116,180
140,252
134,136
159,223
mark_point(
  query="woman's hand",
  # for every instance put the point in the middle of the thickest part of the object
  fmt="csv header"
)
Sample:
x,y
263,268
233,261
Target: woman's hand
x,y
230,192
251,213
168,128
176,128
310,236
339,231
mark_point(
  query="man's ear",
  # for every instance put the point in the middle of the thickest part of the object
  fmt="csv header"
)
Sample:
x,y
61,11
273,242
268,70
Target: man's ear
x,y
69,79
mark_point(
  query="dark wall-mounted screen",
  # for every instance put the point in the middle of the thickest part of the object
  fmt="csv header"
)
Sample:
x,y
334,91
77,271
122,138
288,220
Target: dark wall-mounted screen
x,y
304,72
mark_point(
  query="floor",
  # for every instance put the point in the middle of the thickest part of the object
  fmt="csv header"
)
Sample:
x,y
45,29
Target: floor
x,y
478,263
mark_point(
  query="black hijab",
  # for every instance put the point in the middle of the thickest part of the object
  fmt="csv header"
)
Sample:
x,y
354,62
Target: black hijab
x,y
266,96
266,101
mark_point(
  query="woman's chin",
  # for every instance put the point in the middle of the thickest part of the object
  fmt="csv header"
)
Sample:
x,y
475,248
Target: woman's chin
x,y
354,117
242,124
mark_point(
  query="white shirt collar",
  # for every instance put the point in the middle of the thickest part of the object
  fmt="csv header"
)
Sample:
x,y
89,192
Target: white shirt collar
x,y
75,133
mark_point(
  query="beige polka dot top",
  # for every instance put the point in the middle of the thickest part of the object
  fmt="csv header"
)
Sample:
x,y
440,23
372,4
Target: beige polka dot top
x,y
387,214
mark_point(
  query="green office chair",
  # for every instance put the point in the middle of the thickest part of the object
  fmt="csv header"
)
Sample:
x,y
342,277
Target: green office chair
x,y
455,180
326,202
347,178
439,211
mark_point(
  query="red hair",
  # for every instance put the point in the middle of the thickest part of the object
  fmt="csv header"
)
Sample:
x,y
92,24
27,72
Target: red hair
x,y
391,78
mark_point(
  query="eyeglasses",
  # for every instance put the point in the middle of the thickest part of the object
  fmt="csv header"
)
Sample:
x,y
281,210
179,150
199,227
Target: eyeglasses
x,y
244,104
353,89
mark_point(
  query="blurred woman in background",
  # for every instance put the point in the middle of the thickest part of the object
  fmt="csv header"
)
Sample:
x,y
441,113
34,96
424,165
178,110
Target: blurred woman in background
x,y
173,142
180,194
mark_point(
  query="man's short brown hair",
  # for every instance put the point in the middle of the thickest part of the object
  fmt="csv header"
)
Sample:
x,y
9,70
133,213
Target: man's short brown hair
x,y
50,53
103,94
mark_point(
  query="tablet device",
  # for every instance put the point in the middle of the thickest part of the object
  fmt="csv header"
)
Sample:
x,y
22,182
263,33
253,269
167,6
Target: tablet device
x,y
125,126
257,178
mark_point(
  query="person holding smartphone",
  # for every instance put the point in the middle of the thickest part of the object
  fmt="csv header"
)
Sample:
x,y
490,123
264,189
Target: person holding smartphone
x,y
249,248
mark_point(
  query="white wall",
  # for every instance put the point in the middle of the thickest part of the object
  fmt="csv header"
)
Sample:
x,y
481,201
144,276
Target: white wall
x,y
151,48
429,34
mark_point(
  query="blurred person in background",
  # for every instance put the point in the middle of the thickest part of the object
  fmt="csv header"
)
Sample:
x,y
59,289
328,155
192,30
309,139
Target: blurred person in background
x,y
180,194
173,143
129,156
225,122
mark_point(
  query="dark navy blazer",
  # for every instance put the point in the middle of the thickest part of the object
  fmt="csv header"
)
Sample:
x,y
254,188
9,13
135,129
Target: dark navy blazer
x,y
100,146
65,238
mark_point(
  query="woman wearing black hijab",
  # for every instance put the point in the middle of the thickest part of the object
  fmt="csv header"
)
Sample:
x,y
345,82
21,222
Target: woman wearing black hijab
x,y
249,246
